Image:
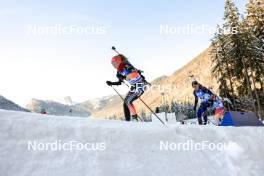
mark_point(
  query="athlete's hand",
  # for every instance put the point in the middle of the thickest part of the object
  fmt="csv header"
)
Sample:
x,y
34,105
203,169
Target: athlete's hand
x,y
213,97
109,83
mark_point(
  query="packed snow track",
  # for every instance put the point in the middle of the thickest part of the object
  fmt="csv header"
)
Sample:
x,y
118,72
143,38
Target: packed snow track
x,y
43,145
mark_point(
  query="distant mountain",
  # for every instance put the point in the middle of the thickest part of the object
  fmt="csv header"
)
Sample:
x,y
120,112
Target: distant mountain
x,y
9,105
55,108
176,87
83,109
99,104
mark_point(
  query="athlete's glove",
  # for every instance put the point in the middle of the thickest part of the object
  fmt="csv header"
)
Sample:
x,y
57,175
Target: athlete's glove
x,y
109,83
213,97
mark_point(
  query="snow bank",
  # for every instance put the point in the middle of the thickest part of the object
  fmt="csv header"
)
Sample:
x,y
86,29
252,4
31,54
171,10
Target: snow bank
x,y
124,148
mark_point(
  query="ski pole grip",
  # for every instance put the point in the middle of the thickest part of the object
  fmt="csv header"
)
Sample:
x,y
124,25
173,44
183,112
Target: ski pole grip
x,y
114,48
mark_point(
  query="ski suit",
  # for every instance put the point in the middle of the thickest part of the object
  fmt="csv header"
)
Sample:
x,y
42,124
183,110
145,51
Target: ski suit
x,y
204,95
137,81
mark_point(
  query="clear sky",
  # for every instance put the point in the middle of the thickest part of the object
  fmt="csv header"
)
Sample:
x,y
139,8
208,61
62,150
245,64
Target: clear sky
x,y
39,61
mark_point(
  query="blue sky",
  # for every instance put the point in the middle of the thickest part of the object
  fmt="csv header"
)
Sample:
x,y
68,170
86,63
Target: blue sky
x,y
48,66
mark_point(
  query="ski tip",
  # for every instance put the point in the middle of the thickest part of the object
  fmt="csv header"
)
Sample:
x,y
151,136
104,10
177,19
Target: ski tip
x,y
113,48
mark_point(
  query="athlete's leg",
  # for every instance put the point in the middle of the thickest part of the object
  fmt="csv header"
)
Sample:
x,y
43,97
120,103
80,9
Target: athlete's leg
x,y
130,98
202,109
126,112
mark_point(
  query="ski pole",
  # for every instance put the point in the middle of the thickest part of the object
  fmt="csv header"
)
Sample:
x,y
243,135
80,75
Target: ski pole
x,y
212,122
113,48
125,101
150,109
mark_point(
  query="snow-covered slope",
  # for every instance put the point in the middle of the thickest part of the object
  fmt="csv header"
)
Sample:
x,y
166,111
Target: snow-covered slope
x,y
123,148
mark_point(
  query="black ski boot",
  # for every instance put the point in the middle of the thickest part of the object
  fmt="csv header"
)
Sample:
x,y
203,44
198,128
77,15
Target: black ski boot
x,y
126,112
205,120
200,121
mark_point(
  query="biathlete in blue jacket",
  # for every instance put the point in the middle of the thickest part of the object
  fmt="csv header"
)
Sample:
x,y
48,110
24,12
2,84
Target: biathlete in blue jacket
x,y
207,100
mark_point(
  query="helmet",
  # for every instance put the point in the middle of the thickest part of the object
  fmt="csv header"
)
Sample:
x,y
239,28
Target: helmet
x,y
117,60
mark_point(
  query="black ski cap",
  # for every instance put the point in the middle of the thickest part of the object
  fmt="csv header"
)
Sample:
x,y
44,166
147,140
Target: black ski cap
x,y
194,83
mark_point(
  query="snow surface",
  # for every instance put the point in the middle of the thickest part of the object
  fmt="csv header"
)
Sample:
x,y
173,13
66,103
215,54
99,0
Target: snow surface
x,y
131,148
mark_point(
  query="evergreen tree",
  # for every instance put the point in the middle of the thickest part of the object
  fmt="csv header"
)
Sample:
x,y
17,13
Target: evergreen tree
x,y
237,54
253,27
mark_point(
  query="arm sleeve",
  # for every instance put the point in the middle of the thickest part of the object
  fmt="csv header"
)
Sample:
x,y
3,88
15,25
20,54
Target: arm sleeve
x,y
195,100
120,80
205,90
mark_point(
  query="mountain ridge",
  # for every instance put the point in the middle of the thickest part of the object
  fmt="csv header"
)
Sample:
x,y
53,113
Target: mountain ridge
x,y
56,108
10,105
